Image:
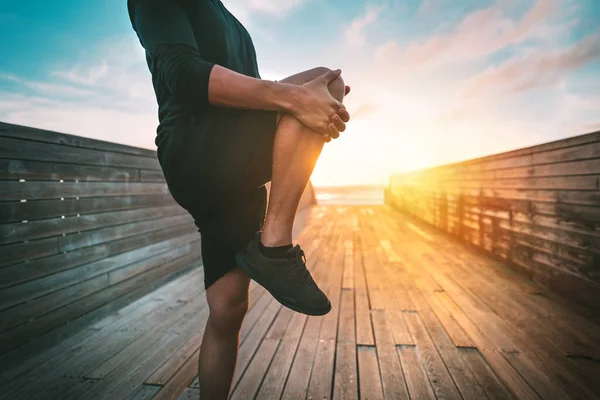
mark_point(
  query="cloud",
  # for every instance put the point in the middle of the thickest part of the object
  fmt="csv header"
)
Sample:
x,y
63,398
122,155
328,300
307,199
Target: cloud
x,y
89,76
244,9
55,89
480,33
355,32
107,95
538,68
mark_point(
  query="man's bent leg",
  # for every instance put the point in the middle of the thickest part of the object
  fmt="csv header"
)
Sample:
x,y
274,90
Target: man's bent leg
x,y
228,302
295,153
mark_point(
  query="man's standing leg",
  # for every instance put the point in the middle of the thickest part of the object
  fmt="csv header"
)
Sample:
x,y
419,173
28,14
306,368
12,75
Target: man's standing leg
x,y
228,302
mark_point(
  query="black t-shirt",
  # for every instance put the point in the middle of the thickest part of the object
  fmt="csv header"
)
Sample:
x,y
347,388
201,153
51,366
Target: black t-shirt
x,y
183,40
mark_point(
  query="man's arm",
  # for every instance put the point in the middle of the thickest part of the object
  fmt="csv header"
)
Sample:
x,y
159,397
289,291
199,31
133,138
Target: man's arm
x,y
165,32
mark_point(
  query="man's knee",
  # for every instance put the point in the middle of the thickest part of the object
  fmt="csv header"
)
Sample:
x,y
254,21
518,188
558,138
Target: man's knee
x,y
337,87
227,317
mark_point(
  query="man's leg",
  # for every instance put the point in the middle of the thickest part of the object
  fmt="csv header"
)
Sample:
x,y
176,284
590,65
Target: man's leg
x,y
295,153
228,302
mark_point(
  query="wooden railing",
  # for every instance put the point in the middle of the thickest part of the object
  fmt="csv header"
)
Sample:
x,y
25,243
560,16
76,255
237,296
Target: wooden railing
x,y
86,226
536,208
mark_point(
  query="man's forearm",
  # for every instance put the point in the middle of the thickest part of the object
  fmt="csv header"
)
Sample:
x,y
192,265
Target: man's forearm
x,y
228,88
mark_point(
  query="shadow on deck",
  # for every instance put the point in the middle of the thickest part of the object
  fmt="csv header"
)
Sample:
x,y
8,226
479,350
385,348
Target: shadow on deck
x,y
414,314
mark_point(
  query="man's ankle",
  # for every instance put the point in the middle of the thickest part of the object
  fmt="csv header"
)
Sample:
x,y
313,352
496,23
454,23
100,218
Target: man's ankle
x,y
274,252
270,240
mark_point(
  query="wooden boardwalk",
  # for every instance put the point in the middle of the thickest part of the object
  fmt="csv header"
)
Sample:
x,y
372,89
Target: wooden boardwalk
x,y
415,315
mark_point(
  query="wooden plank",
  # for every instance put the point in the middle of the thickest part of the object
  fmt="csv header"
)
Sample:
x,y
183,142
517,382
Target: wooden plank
x,y
24,312
494,389
256,308
439,376
179,381
543,350
348,279
345,383
458,336
167,370
148,392
250,382
392,377
250,345
151,175
277,374
321,378
416,379
591,150
188,394
34,269
527,299
117,232
139,288
12,339
303,361
399,328
36,151
579,147
509,376
490,324
279,327
368,374
463,379
305,354
40,209
19,252
14,169
97,336
65,225
45,136
122,381
130,160
34,190
346,325
566,168
17,294
364,331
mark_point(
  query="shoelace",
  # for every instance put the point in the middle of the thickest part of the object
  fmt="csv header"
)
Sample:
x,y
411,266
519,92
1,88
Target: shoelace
x,y
299,261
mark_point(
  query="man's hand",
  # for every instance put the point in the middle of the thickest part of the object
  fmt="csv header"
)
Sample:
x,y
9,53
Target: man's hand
x,y
345,117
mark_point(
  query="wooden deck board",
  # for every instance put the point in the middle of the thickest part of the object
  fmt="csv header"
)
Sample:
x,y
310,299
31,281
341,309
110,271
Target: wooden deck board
x,y
414,315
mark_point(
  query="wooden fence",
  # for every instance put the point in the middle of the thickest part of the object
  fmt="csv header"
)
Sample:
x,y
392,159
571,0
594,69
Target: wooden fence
x,y
86,227
536,208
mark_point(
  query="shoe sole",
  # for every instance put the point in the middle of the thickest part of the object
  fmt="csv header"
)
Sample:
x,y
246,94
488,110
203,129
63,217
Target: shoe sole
x,y
289,303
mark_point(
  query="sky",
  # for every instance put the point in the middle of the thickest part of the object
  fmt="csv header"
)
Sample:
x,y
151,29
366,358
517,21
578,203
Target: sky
x,y
433,81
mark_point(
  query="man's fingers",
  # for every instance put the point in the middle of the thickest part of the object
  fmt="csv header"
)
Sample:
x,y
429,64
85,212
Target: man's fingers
x,y
343,113
326,138
331,75
339,124
332,130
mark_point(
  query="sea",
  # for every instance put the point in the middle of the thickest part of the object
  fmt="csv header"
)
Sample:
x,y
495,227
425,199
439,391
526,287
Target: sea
x,y
349,195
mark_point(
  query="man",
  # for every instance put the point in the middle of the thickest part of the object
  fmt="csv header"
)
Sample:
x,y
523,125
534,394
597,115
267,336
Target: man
x,y
224,133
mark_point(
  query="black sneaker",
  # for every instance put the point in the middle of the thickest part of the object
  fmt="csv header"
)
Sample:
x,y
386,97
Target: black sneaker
x,y
287,279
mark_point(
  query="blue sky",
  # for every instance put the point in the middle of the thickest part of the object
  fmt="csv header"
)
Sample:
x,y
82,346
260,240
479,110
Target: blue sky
x,y
433,81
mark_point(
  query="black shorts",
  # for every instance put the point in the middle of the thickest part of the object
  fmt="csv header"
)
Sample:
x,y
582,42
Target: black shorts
x,y
217,169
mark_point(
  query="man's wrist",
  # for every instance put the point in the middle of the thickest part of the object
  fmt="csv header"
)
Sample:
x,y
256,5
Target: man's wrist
x,y
286,96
